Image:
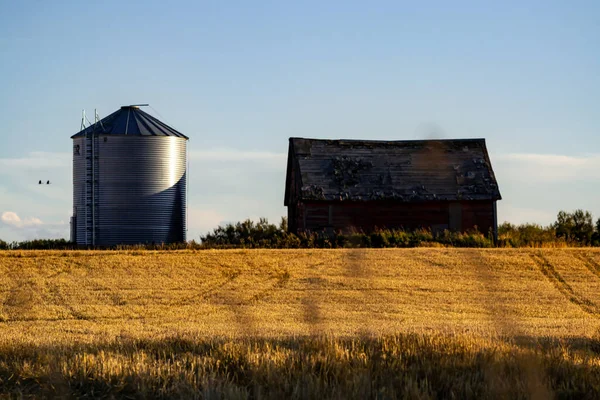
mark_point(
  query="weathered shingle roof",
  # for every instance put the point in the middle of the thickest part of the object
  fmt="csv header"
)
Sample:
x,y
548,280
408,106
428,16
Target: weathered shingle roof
x,y
407,170
130,120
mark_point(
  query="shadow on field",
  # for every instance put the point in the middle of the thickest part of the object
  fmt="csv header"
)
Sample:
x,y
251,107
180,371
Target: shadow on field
x,y
356,266
398,366
533,371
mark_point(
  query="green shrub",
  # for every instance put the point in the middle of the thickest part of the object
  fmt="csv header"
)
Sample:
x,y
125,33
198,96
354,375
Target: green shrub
x,y
400,238
250,234
529,235
420,237
380,238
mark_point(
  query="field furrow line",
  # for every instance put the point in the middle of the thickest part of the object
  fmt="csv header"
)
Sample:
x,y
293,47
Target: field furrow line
x,y
203,294
281,282
229,277
502,320
72,318
59,299
590,264
563,287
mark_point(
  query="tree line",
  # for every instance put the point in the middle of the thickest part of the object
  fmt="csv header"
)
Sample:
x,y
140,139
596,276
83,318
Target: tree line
x,y
571,229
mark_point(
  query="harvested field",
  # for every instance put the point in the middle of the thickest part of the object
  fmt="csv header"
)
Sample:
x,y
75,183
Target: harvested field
x,y
504,322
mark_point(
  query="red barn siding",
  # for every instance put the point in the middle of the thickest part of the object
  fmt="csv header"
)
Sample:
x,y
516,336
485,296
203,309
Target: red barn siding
x,y
478,214
367,216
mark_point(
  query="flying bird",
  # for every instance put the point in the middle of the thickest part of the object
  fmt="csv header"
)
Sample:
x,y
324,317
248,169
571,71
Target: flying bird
x,y
47,182
40,182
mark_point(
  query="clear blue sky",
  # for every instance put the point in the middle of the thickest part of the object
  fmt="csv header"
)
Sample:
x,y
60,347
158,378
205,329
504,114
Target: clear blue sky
x,y
240,78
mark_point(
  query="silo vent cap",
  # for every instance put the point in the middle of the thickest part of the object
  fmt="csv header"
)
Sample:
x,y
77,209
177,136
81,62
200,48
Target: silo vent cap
x,y
135,106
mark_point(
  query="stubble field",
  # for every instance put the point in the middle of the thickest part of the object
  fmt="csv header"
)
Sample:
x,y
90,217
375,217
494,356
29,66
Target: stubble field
x,y
386,323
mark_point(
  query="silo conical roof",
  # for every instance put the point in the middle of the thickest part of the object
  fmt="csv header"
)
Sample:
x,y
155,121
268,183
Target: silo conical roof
x,y
130,120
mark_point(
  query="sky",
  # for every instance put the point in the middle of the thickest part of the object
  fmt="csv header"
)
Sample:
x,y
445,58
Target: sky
x,y
240,78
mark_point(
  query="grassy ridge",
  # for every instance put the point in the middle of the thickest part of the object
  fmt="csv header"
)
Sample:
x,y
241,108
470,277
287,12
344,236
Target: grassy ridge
x,y
385,323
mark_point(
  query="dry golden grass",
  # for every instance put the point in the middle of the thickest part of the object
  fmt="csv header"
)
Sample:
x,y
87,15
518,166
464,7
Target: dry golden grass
x,y
66,296
152,323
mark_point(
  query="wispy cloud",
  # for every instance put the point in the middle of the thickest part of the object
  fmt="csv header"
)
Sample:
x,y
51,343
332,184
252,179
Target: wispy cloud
x,y
553,160
548,167
521,215
13,227
11,218
229,154
37,160
19,177
202,219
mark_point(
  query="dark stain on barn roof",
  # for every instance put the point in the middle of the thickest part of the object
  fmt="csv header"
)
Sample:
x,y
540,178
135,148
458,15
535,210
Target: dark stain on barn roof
x,y
407,170
130,120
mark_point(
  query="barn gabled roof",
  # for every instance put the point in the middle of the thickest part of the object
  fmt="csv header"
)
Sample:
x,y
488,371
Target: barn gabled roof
x,y
407,170
130,120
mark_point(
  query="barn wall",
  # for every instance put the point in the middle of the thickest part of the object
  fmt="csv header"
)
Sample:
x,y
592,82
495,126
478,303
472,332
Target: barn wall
x,y
381,214
293,225
291,194
478,213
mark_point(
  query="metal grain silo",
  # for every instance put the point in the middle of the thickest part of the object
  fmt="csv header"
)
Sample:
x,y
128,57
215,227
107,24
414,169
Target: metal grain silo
x,y
129,181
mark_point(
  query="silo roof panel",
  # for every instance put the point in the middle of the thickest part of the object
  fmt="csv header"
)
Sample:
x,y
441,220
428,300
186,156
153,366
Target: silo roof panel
x,y
130,120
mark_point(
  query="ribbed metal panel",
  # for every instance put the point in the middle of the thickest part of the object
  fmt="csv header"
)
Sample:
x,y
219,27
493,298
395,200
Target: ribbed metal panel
x,y
79,187
140,187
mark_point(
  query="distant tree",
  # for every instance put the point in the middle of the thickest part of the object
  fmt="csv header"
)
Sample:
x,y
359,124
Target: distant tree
x,y
564,225
584,226
3,245
283,225
576,226
596,235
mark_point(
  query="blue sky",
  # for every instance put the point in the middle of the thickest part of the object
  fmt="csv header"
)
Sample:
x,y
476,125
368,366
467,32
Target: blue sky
x,y
239,78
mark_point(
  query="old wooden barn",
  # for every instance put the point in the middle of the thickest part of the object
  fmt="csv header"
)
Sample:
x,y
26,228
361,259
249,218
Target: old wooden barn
x,y
409,184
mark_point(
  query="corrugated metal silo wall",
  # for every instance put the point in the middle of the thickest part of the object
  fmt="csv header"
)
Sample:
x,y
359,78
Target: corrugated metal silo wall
x,y
79,171
141,190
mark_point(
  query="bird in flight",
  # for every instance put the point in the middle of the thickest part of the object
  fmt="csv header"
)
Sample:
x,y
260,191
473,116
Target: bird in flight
x,y
40,182
47,182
